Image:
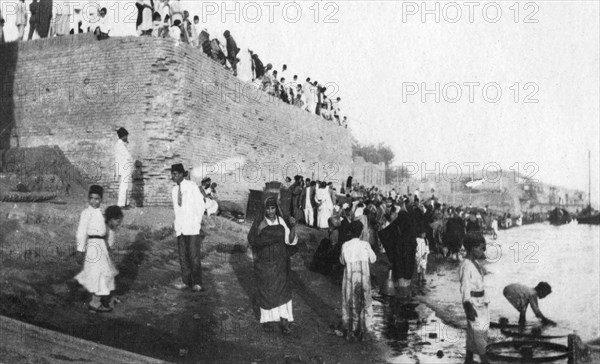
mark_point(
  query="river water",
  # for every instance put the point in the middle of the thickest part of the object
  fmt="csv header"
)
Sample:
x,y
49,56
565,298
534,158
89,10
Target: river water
x,y
567,257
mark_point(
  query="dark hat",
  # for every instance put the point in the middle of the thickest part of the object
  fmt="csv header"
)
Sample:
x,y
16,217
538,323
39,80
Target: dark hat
x,y
271,202
113,212
122,132
177,168
356,227
97,190
473,239
226,34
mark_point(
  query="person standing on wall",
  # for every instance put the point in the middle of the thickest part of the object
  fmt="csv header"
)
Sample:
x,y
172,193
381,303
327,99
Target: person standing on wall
x,y
232,51
21,19
103,29
186,26
1,28
188,206
34,21
124,166
144,17
195,32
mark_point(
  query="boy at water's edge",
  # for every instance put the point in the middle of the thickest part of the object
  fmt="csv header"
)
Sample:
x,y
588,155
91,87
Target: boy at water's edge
x,y
521,296
474,298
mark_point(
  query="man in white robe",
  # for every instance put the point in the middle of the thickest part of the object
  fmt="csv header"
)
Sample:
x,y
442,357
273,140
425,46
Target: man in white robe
x,y
124,166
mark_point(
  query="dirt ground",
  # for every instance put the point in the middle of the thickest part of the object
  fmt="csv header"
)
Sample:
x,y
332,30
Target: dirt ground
x,y
154,319
37,242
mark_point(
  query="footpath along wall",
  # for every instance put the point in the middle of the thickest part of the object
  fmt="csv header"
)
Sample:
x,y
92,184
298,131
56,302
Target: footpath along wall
x,y
178,105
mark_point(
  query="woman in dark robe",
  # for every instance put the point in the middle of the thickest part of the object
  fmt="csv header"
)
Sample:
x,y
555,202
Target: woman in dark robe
x,y
455,234
272,243
400,242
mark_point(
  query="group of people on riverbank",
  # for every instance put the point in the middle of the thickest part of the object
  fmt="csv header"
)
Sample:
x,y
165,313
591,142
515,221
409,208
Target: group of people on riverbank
x,y
96,230
358,226
407,229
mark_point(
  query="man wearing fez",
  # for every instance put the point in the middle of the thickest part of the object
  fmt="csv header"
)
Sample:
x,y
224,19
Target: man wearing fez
x,y
124,166
189,206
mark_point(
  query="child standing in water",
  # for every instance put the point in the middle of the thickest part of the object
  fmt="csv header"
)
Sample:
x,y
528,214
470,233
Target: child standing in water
x,y
98,274
421,259
474,298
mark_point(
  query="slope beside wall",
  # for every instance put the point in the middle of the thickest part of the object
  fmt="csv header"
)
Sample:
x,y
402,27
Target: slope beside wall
x,y
178,105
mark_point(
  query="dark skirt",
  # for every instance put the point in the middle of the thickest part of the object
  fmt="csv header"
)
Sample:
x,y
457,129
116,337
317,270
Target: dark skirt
x,y
272,272
405,260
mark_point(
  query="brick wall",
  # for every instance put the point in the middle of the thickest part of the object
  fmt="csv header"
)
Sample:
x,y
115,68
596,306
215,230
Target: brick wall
x,y
178,105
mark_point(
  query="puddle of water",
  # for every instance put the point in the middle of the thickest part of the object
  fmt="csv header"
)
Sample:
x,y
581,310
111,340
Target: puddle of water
x,y
414,334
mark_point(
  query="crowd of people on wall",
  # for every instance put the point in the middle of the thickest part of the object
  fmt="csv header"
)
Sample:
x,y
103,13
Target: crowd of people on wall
x,y
42,20
167,19
308,95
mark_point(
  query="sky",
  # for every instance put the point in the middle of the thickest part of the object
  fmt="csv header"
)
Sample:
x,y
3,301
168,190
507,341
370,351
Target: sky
x,y
517,83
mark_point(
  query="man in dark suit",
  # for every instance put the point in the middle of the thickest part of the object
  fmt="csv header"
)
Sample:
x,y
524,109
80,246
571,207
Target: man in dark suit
x,y
34,21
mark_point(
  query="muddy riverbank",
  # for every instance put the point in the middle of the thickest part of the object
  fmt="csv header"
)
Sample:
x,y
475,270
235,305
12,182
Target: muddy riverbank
x,y
220,325
155,319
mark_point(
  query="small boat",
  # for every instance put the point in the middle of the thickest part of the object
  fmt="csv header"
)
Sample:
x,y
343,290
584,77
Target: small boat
x,y
559,216
592,219
588,216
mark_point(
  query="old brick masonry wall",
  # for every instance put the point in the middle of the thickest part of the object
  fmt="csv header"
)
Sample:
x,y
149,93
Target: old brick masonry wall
x,y
178,105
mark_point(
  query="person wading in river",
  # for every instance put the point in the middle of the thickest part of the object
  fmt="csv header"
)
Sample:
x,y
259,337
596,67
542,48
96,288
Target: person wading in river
x,y
521,296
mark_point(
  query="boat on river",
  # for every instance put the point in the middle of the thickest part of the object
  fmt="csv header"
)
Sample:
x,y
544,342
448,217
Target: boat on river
x,y
588,215
559,216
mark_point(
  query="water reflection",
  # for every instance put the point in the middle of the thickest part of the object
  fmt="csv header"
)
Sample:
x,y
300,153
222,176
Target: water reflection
x,y
413,333
567,257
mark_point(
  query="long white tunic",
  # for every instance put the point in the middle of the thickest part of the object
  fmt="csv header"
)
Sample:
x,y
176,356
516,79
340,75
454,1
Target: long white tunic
x,y
471,280
212,206
421,255
123,159
98,274
357,310
325,209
